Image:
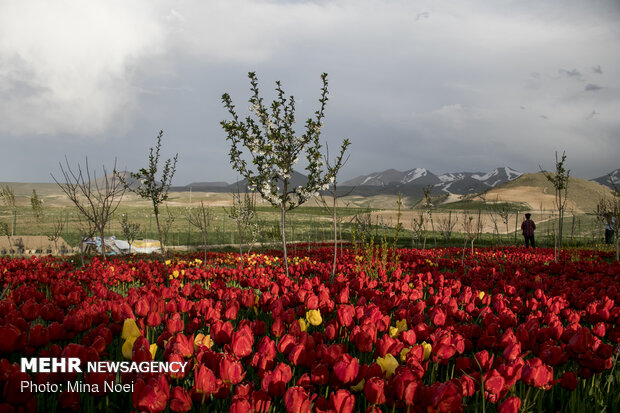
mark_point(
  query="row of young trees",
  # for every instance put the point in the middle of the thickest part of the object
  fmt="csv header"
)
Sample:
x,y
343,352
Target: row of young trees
x,y
264,149
267,140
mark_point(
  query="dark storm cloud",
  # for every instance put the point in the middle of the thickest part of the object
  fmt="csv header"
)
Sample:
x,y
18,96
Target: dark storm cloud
x,y
412,83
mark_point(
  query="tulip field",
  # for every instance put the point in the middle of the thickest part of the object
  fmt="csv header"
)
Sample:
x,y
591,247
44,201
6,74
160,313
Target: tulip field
x,y
436,330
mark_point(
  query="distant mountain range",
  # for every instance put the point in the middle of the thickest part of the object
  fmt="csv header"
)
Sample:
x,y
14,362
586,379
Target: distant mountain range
x,y
606,179
459,183
409,183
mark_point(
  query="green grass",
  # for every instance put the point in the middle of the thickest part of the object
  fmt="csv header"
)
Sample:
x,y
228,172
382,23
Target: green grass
x,y
304,224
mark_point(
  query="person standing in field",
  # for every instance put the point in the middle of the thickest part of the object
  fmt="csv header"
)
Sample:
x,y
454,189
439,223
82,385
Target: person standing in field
x,y
528,226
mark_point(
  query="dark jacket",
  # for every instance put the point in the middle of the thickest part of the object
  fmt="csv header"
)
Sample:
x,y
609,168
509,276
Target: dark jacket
x,y
528,226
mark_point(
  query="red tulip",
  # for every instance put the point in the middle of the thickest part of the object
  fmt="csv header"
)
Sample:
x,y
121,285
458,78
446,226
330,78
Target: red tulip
x,y
569,380
345,315
231,369
151,396
346,368
175,324
242,341
204,384
275,382
153,319
240,405
39,336
12,339
342,401
231,310
447,398
494,385
374,389
261,401
69,401
297,400
511,405
537,374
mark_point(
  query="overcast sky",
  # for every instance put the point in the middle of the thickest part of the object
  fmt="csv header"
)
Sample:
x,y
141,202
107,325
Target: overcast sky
x,y
447,85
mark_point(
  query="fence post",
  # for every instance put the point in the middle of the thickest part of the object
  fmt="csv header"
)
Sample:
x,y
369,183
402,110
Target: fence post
x,y
14,221
67,225
516,226
189,226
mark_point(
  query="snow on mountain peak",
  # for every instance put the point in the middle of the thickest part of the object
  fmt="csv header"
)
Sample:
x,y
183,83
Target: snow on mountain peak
x,y
414,174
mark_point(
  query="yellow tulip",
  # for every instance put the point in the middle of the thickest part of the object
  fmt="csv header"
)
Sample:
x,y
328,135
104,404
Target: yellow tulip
x,y
302,324
359,386
153,350
401,325
481,295
130,329
314,317
393,332
128,347
202,340
388,364
403,354
427,350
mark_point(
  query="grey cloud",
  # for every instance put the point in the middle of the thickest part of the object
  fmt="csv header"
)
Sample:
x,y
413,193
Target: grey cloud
x,y
590,87
422,15
570,73
592,114
597,69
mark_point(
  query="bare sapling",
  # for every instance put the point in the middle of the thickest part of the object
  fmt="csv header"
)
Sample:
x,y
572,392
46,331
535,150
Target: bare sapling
x,y
333,169
95,199
559,180
149,186
130,230
243,213
201,218
8,199
58,226
6,231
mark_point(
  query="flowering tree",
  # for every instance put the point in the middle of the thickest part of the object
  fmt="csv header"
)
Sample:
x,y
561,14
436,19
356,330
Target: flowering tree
x,y
273,148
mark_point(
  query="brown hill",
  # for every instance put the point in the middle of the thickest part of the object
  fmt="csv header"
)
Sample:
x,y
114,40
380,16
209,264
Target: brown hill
x,y
536,191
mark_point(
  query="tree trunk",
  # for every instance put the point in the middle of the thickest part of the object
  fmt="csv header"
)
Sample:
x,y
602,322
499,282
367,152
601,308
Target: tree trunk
x,y
82,250
161,238
102,242
240,242
204,245
335,237
283,225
